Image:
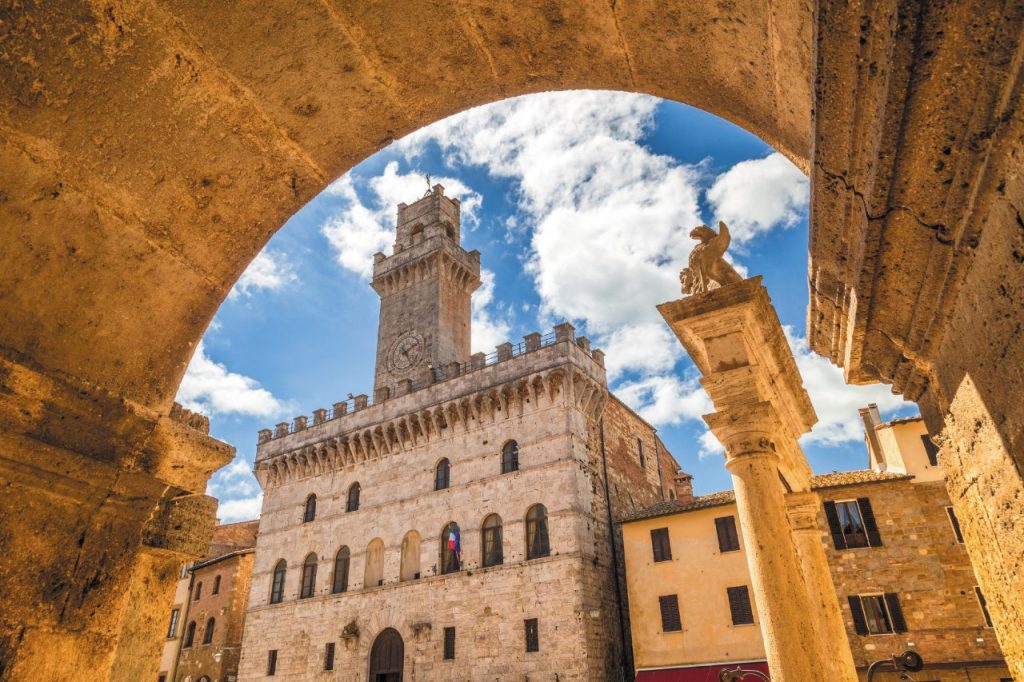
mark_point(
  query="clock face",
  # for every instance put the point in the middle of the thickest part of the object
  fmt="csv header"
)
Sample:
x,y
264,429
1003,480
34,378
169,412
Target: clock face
x,y
405,352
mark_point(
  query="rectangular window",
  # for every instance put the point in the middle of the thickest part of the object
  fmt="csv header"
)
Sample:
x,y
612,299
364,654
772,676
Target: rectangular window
x,y
660,544
162,677
852,523
172,627
271,662
329,656
984,606
728,539
930,450
640,449
449,644
739,605
532,635
955,522
670,621
877,614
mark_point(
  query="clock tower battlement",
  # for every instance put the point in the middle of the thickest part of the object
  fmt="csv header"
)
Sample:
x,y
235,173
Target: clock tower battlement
x,y
425,289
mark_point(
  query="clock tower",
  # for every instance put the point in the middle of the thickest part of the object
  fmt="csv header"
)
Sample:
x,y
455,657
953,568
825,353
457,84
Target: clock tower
x,y
425,288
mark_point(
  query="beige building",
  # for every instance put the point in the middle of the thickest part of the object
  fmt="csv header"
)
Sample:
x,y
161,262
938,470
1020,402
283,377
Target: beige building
x,y
897,558
459,527
215,587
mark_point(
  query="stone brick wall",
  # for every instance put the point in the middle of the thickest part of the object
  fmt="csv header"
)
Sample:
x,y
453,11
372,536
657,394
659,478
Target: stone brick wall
x,y
921,560
218,659
572,593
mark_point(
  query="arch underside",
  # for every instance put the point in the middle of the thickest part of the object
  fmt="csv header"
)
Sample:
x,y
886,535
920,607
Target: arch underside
x,y
162,146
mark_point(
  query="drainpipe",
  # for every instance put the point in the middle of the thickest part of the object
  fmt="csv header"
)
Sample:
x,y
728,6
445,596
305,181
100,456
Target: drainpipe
x,y
615,556
184,624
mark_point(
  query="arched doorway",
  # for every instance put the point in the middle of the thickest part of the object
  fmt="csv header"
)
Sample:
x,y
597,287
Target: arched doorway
x,y
387,657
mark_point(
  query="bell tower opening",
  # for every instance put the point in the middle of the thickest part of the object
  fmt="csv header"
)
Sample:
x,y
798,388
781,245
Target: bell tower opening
x,y
425,290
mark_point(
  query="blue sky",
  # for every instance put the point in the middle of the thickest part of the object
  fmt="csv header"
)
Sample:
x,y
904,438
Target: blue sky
x,y
580,204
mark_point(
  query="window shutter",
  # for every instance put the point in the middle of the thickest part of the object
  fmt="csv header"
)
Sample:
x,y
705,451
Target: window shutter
x,y
930,450
860,625
892,600
660,544
874,539
739,605
728,540
833,525
670,621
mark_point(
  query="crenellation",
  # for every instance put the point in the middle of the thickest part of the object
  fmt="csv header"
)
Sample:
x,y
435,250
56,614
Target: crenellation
x,y
319,416
299,423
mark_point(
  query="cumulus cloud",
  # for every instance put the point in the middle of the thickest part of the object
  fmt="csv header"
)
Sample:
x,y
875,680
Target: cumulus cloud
x,y
665,399
360,229
210,388
269,270
488,329
758,195
648,348
834,400
243,509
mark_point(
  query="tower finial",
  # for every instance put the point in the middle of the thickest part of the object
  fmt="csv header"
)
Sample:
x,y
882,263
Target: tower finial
x,y
429,188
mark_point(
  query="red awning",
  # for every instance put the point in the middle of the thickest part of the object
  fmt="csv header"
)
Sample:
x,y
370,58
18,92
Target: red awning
x,y
703,673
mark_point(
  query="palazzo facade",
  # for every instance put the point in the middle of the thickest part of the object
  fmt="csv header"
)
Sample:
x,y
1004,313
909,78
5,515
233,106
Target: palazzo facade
x,y
460,525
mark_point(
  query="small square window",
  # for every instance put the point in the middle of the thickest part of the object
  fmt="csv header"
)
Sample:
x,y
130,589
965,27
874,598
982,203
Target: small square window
x,y
669,607
660,544
955,523
728,539
739,605
329,656
271,662
449,644
532,635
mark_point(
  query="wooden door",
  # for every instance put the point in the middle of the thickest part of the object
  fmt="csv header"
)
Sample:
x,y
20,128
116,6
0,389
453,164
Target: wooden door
x,y
387,657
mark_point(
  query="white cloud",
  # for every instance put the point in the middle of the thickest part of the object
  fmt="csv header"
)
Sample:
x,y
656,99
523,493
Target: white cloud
x,y
709,446
757,195
610,218
209,387
834,400
269,270
243,509
665,400
359,230
648,348
487,329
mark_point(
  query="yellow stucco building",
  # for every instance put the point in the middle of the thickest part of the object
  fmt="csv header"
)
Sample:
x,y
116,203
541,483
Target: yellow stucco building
x,y
894,547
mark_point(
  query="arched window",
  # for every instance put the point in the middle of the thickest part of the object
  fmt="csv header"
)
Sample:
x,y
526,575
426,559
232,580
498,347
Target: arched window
x,y
190,634
537,532
373,573
341,562
216,585
353,498
199,591
410,568
310,512
491,538
208,634
451,548
442,475
308,576
277,584
510,457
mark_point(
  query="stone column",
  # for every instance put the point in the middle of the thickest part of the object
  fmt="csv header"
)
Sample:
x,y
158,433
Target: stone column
x,y
736,340
791,644
828,619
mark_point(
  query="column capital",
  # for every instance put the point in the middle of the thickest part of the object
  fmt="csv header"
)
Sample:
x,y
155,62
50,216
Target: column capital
x,y
748,431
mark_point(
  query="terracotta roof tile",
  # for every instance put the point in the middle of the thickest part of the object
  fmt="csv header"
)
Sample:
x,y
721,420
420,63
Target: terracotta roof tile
x,y
834,480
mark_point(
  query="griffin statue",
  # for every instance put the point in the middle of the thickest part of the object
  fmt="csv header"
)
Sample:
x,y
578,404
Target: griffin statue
x,y
708,269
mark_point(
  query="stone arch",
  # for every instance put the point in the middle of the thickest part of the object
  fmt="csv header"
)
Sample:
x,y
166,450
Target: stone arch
x,y
373,568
